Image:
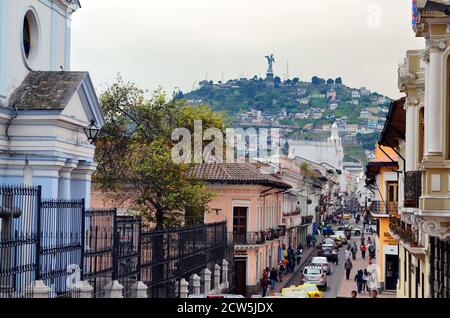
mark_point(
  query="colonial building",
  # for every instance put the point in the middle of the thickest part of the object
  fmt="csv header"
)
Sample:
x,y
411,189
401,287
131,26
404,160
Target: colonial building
x,y
330,152
423,228
251,203
44,107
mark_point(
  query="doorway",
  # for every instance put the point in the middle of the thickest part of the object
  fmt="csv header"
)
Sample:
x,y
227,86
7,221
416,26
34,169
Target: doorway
x,y
392,197
391,272
240,276
240,225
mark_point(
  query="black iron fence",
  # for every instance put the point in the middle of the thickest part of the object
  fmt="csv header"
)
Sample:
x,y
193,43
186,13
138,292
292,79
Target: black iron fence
x,y
61,243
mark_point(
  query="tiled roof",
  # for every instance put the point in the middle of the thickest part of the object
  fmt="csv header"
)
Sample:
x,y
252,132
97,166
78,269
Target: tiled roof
x,y
46,90
234,173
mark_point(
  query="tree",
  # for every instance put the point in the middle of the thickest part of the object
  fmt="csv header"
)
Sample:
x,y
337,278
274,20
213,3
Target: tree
x,y
134,154
330,81
338,81
277,80
317,81
295,80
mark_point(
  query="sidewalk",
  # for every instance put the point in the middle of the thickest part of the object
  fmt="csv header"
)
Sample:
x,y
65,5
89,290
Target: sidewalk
x,y
306,258
348,286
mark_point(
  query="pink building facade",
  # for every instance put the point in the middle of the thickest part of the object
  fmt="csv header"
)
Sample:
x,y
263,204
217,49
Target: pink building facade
x,y
252,205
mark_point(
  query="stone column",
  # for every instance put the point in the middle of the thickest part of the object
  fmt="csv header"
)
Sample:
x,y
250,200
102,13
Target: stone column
x,y
113,290
435,100
207,279
184,288
39,290
139,290
196,283
412,142
84,288
225,283
64,184
217,278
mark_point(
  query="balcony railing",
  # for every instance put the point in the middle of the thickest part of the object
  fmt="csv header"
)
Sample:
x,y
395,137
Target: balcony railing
x,y
249,238
307,219
404,232
384,207
413,189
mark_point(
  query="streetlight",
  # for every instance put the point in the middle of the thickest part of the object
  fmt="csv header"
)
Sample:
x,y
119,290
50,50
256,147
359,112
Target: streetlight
x,y
91,131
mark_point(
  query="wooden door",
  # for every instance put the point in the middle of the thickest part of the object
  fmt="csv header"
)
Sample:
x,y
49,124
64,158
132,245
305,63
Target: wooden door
x,y
240,225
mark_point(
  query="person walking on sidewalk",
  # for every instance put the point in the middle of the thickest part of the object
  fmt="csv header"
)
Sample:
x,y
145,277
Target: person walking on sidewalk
x,y
264,284
359,281
299,254
365,280
354,250
348,267
273,277
281,269
363,251
308,240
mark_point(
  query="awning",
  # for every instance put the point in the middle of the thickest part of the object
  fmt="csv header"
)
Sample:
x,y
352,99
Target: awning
x,y
395,125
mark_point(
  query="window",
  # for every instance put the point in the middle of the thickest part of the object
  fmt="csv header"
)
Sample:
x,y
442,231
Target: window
x,y
26,37
30,38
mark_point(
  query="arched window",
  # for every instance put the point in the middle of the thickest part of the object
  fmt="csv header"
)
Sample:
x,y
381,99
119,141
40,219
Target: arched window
x,y
26,37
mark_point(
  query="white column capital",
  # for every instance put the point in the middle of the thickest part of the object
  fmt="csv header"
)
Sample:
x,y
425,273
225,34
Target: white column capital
x,y
436,44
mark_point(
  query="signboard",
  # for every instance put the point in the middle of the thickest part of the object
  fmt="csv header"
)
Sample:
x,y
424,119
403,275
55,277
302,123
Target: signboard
x,y
388,239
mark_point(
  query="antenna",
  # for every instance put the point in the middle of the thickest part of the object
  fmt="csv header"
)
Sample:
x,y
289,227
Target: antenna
x,y
193,86
287,70
222,77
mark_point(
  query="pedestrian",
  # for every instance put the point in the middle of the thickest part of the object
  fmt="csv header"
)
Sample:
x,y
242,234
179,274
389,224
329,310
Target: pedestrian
x,y
308,241
299,253
359,281
365,280
285,264
335,257
371,249
374,293
347,253
281,269
354,294
273,277
264,285
348,267
313,240
363,251
354,250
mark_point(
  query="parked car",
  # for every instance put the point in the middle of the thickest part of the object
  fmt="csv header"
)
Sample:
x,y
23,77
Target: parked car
x,y
322,261
327,241
313,274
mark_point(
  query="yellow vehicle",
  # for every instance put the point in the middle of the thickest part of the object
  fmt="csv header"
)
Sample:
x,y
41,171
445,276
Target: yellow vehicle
x,y
312,290
347,217
294,292
337,239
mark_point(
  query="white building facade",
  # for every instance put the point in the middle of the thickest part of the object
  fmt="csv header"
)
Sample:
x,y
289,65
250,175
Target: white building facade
x,y
44,107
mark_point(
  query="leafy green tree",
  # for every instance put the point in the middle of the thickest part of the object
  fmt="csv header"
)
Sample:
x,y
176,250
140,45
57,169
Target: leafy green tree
x,y
295,80
134,154
277,80
330,81
338,81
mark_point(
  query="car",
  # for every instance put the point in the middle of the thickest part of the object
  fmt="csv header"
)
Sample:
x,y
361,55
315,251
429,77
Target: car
x,y
342,235
293,292
356,231
323,261
313,274
328,241
311,290
337,239
347,216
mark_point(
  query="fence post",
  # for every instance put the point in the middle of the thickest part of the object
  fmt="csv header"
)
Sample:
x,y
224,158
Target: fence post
x,y
139,290
113,289
39,290
184,288
38,233
85,289
196,282
225,283
217,278
207,278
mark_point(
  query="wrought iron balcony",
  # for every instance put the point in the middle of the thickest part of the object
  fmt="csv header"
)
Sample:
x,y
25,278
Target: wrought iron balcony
x,y
307,219
248,238
403,231
384,207
412,189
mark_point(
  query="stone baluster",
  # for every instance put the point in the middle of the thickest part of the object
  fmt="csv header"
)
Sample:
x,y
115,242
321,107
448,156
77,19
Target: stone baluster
x,y
113,290
207,279
196,283
225,283
184,288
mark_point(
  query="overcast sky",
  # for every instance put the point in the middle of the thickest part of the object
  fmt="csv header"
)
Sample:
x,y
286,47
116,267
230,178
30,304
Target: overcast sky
x,y
176,43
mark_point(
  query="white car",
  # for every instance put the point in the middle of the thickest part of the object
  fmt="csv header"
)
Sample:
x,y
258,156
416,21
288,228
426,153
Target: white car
x,y
322,261
313,274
